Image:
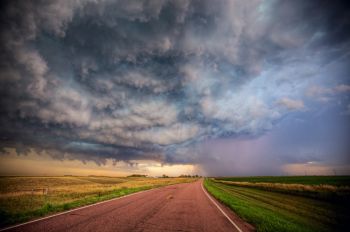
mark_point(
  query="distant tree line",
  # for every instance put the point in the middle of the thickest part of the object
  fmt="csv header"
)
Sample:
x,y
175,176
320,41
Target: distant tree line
x,y
166,176
189,176
137,175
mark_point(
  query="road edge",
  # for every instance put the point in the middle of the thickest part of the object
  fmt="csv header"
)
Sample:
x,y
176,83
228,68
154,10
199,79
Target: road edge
x,y
221,210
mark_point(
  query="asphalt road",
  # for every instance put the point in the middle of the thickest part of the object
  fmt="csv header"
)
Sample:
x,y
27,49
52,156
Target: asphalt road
x,y
181,207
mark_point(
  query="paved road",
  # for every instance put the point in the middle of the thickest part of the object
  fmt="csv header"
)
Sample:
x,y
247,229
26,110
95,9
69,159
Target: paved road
x,y
181,207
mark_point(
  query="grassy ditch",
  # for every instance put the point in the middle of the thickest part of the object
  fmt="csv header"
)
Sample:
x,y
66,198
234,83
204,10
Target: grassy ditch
x,y
276,211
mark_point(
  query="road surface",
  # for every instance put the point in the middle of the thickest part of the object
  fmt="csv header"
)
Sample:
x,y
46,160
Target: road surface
x,y
181,207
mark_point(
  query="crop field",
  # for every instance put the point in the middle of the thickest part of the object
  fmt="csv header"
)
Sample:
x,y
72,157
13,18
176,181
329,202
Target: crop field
x,y
307,180
25,198
284,204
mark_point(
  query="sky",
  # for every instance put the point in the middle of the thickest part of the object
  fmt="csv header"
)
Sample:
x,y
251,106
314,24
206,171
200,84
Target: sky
x,y
227,87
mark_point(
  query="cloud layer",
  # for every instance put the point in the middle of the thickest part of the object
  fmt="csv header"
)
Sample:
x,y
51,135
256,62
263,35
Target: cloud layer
x,y
133,80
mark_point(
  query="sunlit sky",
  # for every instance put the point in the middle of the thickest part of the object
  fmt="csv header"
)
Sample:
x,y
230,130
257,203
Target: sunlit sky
x,y
227,87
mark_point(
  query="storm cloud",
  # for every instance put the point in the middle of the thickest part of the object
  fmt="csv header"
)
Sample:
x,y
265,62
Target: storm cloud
x,y
155,80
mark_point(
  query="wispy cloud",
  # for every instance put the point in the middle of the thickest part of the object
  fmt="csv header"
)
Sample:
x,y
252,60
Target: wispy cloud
x,y
291,104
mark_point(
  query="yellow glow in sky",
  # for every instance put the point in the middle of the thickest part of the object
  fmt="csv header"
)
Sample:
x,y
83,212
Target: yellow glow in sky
x,y
43,165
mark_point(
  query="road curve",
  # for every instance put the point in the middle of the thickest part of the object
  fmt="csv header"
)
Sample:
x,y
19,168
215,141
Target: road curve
x,y
181,207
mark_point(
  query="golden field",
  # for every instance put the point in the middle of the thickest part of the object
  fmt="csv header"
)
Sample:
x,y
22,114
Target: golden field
x,y
23,198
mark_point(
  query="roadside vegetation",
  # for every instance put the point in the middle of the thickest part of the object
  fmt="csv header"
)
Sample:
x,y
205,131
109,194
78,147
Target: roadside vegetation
x,y
308,180
277,207
25,198
323,191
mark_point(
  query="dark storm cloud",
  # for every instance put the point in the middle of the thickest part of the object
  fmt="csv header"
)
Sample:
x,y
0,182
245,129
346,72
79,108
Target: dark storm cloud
x,y
151,79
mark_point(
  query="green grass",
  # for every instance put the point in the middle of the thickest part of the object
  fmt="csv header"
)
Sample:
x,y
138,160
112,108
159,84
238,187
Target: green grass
x,y
19,204
272,211
309,180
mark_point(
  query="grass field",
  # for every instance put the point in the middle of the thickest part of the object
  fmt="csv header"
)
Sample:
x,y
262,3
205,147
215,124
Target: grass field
x,y
25,198
269,210
308,180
